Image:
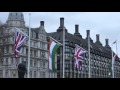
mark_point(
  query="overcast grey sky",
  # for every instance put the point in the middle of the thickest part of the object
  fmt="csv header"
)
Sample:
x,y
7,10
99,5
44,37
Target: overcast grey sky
x,y
107,24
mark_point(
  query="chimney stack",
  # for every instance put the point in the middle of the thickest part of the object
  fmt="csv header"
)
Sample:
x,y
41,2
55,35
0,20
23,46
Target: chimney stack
x,y
88,33
42,23
76,28
97,37
61,25
107,42
62,22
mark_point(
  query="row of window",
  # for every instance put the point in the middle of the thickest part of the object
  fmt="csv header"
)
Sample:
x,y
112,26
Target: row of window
x,y
38,36
5,61
93,68
16,23
16,14
10,74
35,53
85,75
34,74
24,51
6,39
102,59
33,43
35,63
10,61
41,44
72,49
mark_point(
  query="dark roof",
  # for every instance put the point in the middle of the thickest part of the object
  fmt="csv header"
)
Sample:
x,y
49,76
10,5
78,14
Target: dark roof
x,y
96,48
35,29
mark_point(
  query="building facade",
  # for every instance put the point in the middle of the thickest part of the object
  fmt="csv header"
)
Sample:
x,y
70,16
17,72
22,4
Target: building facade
x,y
101,56
38,49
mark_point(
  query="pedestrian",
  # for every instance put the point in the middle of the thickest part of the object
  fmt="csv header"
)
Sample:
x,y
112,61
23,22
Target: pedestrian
x,y
22,70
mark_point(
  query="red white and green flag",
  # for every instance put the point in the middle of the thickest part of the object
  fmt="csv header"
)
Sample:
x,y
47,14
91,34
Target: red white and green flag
x,y
53,47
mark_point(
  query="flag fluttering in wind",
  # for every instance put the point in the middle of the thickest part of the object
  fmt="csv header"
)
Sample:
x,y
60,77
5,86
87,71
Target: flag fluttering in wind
x,y
114,56
114,42
79,54
19,40
53,47
112,63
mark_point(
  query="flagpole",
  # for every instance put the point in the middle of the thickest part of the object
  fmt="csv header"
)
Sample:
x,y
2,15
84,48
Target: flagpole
x,y
116,52
74,68
84,60
28,73
78,72
49,73
21,31
116,48
89,52
112,63
63,50
114,59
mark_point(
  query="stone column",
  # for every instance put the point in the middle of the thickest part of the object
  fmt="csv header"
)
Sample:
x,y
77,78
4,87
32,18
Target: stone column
x,y
38,73
9,73
3,73
25,51
61,63
38,54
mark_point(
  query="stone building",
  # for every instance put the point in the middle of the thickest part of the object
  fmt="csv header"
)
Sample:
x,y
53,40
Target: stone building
x,y
38,49
100,55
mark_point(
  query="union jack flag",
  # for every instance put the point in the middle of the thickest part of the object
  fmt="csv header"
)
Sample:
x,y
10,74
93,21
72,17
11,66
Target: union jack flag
x,y
18,42
79,54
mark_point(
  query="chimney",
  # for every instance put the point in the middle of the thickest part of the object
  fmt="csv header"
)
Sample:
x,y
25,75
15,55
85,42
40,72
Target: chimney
x,y
62,22
42,23
88,32
76,28
107,42
97,37
62,27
